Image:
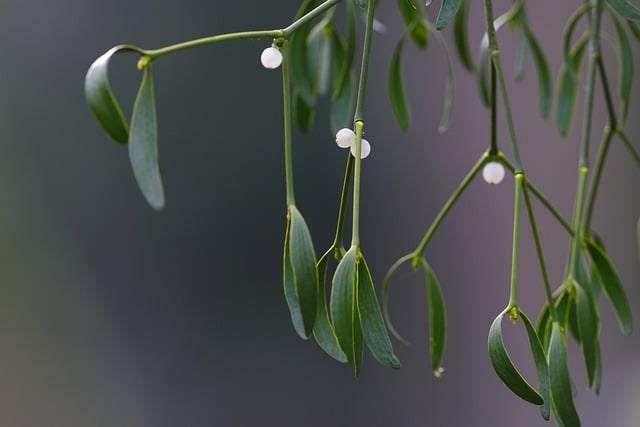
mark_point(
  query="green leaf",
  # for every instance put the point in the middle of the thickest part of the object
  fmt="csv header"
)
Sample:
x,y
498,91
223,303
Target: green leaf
x,y
522,54
305,275
448,10
101,99
626,9
437,319
319,56
303,115
504,366
461,36
483,75
560,380
385,298
589,327
543,326
635,29
625,68
612,287
449,89
396,90
415,22
323,331
373,326
544,74
143,143
300,74
542,368
343,304
568,88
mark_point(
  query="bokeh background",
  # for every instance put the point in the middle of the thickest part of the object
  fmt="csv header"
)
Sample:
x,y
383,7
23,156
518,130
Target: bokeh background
x,y
114,315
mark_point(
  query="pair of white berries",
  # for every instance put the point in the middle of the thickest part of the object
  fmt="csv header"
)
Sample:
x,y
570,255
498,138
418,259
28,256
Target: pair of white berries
x,y
271,58
493,173
346,138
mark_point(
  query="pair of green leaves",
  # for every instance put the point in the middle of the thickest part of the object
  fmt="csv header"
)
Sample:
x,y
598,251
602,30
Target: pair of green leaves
x,y
356,313
300,274
418,29
142,137
506,370
437,311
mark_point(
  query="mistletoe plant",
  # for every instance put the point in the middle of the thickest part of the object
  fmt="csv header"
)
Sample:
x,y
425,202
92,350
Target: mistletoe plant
x,y
317,54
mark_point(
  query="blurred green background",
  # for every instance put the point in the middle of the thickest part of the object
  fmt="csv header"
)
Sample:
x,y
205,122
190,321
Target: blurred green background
x,y
114,315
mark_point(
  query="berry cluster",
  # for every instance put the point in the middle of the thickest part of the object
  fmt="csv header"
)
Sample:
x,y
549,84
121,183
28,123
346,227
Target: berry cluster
x,y
346,138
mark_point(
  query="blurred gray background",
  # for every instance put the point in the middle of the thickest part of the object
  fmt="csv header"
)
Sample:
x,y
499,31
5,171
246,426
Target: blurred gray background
x,y
114,315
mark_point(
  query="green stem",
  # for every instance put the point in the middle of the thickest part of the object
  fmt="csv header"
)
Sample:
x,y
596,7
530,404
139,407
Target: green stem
x,y
265,34
515,251
574,251
495,58
627,143
493,147
418,253
288,158
597,175
540,196
540,254
359,121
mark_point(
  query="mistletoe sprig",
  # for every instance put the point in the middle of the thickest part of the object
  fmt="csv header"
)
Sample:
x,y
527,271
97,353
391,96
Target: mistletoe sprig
x,y
317,55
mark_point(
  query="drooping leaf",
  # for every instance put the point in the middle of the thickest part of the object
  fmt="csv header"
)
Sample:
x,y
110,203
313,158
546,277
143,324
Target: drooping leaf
x,y
300,274
635,29
396,90
612,286
385,298
461,36
543,326
560,380
319,56
323,331
589,327
568,88
143,143
544,74
449,88
625,68
448,10
483,75
522,56
626,9
542,368
437,319
416,24
342,107
343,304
300,74
101,99
504,366
373,326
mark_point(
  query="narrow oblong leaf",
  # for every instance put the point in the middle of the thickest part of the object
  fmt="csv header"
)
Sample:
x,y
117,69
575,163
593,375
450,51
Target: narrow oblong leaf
x,y
143,143
461,36
589,327
303,114
300,74
101,99
625,9
568,88
448,10
482,76
323,331
544,74
373,326
542,368
396,90
437,320
305,276
449,88
343,304
342,107
612,287
560,380
504,367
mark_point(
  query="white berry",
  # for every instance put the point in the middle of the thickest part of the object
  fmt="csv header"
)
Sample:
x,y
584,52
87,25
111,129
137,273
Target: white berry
x,y
364,151
345,138
493,173
271,58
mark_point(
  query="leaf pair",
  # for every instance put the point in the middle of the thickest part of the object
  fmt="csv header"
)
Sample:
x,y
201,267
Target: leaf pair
x,y
142,137
396,87
509,374
300,274
437,312
356,314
